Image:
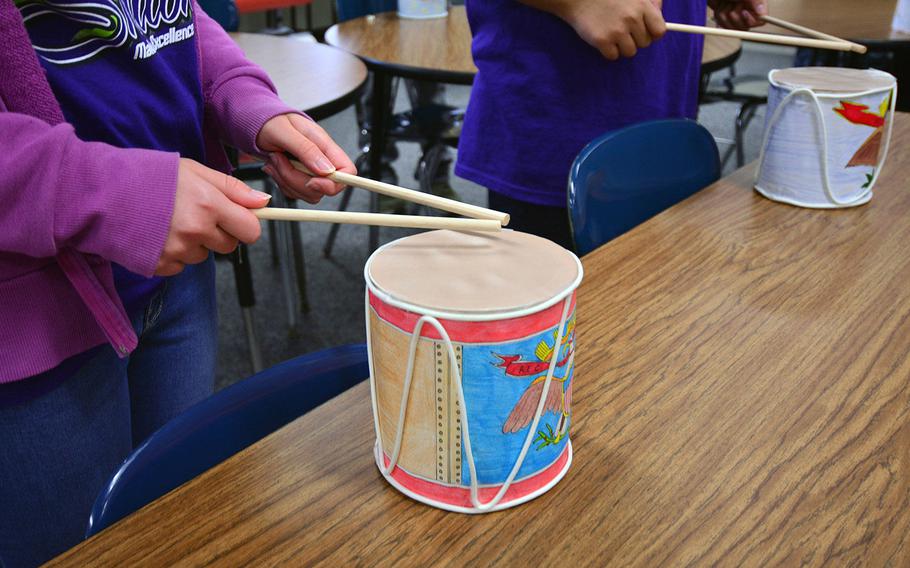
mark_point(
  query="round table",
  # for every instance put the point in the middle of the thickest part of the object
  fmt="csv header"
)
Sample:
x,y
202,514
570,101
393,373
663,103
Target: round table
x,y
719,53
320,81
437,49
315,78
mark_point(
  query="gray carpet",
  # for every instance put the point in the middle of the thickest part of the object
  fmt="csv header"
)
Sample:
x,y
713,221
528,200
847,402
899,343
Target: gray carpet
x,y
335,286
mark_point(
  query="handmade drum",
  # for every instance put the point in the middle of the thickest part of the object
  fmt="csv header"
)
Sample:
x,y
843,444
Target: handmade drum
x,y
423,9
827,132
472,348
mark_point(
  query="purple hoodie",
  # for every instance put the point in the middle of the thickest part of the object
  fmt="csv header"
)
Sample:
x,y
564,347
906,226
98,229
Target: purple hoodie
x,y
70,208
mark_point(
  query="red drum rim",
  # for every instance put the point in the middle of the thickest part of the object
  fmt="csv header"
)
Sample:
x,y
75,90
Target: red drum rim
x,y
457,498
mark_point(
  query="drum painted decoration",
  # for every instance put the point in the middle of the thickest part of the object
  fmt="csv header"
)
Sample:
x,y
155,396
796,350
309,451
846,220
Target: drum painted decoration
x,y
423,9
472,347
827,132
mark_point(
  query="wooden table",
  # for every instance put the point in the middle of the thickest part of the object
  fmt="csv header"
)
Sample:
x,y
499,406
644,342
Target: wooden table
x,y
437,49
315,78
864,21
743,398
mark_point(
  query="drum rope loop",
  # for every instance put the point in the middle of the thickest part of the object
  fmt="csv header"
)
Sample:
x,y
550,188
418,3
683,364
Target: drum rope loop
x,y
405,395
829,192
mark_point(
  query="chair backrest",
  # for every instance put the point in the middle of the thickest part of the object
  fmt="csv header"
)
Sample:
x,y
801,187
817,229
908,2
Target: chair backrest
x,y
222,425
350,9
222,11
627,176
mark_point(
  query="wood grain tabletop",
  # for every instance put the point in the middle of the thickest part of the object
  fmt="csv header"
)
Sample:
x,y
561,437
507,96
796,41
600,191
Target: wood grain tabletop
x,y
742,399
308,75
857,20
439,44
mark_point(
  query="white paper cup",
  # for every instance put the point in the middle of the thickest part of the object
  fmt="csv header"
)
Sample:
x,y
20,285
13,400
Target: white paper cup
x,y
423,9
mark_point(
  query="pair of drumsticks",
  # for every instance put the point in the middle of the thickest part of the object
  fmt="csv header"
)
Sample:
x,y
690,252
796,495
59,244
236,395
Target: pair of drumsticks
x,y
814,38
481,218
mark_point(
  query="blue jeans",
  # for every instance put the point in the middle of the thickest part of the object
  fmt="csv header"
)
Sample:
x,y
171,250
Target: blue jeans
x,y
61,438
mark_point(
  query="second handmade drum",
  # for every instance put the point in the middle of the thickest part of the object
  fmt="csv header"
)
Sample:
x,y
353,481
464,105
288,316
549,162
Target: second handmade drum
x,y
827,132
472,348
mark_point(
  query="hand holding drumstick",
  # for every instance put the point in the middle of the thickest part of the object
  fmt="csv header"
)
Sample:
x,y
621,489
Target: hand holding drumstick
x,y
739,14
619,28
214,211
614,27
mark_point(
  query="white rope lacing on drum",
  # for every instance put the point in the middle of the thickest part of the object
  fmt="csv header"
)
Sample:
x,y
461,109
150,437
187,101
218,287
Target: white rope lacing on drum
x,y
405,396
824,142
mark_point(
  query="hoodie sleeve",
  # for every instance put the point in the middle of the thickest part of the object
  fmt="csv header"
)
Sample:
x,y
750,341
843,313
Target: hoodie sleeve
x,y
61,192
239,97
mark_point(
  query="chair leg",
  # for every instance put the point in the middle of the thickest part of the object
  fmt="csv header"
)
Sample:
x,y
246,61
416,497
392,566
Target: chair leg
x,y
299,264
333,230
373,241
746,113
285,250
243,278
273,241
252,341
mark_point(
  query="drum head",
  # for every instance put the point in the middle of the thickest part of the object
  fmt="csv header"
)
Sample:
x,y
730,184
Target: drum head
x,y
832,79
473,272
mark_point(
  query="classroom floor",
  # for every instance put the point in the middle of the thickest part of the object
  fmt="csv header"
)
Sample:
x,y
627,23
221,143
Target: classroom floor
x,y
335,285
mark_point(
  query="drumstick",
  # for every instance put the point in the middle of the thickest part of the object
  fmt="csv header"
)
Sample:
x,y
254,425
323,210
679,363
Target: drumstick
x,y
434,201
839,45
381,219
856,47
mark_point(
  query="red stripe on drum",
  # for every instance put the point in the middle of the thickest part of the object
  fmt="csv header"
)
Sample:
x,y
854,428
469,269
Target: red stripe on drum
x,y
472,331
461,496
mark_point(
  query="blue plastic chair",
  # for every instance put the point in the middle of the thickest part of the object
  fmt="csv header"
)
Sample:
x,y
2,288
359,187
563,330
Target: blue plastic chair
x,y
627,176
222,425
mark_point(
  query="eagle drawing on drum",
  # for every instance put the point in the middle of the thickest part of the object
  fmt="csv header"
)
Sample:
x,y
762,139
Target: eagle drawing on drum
x,y
855,113
559,398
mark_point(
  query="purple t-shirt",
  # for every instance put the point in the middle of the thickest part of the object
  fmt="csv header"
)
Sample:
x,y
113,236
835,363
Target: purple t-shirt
x,y
542,93
125,73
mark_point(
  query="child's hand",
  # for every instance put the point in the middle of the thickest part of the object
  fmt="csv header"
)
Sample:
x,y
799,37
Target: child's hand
x,y
211,212
311,145
739,14
615,27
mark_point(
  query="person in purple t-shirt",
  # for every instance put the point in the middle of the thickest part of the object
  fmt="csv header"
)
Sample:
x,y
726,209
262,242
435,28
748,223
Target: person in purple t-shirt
x,y
554,75
112,118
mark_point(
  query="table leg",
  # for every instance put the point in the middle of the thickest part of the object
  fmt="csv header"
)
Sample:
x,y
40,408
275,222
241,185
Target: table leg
x,y
901,70
382,86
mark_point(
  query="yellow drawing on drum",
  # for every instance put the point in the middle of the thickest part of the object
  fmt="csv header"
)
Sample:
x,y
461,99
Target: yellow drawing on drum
x,y
856,113
559,399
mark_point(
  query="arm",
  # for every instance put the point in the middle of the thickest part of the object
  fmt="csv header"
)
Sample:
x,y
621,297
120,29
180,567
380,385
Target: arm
x,y
243,103
614,27
739,14
60,192
149,211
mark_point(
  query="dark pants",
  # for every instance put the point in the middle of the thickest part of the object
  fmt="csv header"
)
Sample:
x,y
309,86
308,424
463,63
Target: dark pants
x,y
541,220
62,437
